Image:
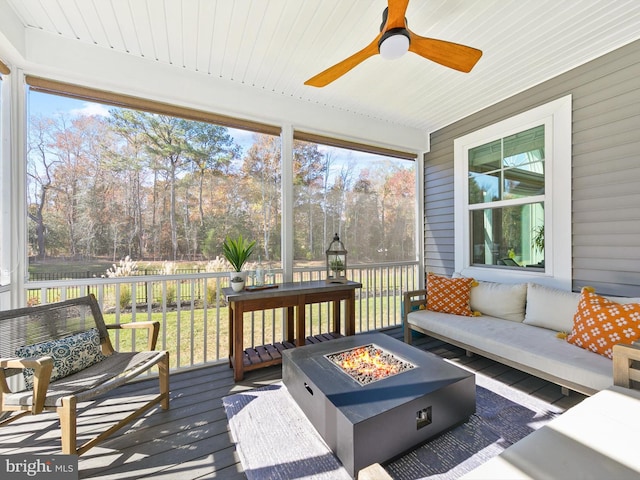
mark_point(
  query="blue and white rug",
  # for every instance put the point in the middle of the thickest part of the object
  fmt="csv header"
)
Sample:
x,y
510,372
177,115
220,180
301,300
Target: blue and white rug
x,y
275,441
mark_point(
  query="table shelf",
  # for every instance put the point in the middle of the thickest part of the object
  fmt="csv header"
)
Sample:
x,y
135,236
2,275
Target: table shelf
x,y
271,354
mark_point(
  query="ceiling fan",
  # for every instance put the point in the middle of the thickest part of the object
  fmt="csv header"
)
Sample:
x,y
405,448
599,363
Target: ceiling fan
x,y
394,40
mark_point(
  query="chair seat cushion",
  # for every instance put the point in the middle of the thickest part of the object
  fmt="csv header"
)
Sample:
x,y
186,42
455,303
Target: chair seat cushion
x,y
113,371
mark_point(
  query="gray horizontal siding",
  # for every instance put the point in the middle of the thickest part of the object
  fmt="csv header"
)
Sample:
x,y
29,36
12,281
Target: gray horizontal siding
x,y
605,165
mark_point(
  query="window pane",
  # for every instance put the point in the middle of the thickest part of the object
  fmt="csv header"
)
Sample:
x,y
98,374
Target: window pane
x,y
510,236
484,172
524,146
524,164
507,169
486,158
368,199
105,183
524,181
484,188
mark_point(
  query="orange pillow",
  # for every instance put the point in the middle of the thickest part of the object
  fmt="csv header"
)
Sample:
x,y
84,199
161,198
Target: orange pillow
x,y
599,323
449,295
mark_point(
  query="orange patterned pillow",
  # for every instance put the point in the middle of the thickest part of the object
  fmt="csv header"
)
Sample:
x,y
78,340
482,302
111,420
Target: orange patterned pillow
x,y
599,323
449,295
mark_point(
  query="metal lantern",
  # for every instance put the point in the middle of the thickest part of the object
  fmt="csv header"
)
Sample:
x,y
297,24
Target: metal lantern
x,y
336,261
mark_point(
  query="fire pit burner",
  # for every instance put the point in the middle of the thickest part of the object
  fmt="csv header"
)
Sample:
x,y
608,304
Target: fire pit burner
x,y
369,363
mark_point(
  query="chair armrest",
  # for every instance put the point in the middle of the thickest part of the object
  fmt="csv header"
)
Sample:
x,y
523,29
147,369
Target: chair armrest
x,y
624,370
413,298
16,362
42,368
152,327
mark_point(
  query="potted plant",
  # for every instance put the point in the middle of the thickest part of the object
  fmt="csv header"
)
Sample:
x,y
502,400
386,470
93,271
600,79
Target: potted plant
x,y
237,251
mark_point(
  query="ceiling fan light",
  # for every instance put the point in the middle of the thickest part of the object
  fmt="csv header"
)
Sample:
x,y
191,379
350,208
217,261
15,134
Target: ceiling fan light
x,y
394,44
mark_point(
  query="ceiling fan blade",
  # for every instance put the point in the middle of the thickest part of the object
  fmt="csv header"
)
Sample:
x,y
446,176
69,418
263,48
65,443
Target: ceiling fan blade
x,y
339,69
452,55
396,14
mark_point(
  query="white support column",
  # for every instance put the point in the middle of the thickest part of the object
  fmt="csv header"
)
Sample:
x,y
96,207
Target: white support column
x,y
19,273
286,152
5,192
420,220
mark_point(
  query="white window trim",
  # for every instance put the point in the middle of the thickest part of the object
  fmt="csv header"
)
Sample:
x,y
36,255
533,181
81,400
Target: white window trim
x,y
557,273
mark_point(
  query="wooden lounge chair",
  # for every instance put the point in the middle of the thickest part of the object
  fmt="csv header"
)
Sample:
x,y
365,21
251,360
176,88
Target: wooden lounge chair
x,y
82,364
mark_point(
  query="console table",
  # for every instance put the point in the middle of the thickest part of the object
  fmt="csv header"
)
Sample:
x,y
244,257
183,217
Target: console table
x,y
293,296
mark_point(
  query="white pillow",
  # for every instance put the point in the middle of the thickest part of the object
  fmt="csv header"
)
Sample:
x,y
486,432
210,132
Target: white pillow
x,y
501,300
550,307
622,300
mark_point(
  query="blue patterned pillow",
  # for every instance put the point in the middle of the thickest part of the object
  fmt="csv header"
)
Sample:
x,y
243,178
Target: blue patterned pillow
x,y
70,354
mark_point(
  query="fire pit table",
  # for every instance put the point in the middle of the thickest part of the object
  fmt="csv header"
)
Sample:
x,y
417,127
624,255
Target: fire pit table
x,y
397,398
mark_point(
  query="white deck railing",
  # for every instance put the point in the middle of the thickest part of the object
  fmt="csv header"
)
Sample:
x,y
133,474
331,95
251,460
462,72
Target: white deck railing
x,y
193,315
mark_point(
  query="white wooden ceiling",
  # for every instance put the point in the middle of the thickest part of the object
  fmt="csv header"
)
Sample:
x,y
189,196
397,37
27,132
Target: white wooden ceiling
x,y
273,46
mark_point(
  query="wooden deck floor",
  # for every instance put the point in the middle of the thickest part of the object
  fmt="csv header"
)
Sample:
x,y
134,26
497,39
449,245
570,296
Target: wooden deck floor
x,y
191,440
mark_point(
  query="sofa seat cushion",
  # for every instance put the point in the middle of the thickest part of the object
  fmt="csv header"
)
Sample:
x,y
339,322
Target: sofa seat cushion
x,y
592,440
533,347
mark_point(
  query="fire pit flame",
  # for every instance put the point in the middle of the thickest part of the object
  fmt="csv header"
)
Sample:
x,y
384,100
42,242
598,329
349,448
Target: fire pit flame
x,y
369,363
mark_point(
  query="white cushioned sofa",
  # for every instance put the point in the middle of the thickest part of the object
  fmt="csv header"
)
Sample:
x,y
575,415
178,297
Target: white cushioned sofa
x,y
518,325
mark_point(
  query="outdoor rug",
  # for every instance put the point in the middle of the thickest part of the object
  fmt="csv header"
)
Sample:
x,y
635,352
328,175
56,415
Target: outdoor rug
x,y
274,440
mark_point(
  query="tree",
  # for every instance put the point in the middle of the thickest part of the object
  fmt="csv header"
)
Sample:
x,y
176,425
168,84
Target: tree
x,y
167,146
398,200
178,150
76,147
261,169
127,163
211,149
363,218
40,166
309,169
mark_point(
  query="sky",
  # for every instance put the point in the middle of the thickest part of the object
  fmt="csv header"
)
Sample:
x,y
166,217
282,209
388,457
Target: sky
x,y
51,105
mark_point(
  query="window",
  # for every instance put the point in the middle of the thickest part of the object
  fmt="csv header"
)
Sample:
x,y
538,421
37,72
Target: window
x,y
513,197
367,198
506,200
154,192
